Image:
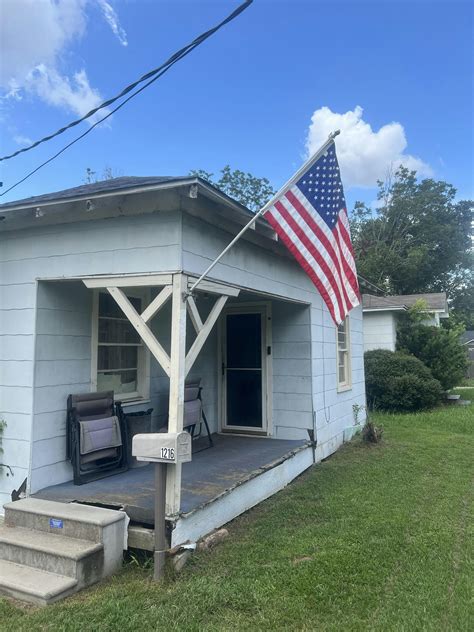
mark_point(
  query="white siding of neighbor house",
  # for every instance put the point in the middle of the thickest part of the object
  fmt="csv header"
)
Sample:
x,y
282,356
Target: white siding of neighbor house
x,y
142,243
380,330
47,325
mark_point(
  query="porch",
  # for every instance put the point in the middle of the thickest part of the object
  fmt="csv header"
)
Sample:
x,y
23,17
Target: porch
x,y
251,352
217,485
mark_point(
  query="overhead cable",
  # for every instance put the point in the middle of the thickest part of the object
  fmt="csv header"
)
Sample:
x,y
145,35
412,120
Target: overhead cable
x,y
153,75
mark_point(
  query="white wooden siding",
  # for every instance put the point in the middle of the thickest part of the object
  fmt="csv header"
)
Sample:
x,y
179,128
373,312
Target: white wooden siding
x,y
379,331
292,387
62,366
33,401
139,244
252,267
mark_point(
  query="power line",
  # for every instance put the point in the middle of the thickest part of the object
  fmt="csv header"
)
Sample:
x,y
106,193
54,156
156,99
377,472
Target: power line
x,y
153,75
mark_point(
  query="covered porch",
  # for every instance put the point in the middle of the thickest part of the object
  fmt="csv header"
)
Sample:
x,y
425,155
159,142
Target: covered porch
x,y
216,486
252,352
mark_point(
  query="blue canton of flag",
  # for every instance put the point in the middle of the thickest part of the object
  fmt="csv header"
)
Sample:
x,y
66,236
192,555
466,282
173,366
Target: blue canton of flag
x,y
322,186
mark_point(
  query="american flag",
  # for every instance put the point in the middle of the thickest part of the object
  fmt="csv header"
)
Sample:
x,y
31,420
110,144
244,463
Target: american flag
x,y
310,217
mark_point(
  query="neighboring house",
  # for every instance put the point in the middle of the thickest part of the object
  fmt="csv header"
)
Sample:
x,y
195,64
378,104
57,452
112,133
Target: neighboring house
x,y
381,314
279,380
467,340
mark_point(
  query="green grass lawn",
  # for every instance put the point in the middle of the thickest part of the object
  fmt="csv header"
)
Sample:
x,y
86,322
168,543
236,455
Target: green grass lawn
x,y
375,538
465,392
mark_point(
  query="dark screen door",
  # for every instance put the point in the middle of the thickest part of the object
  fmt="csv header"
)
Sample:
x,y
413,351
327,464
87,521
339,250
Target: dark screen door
x,y
243,370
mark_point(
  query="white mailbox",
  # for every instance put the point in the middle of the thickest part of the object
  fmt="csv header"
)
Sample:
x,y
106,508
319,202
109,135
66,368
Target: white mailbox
x,y
161,447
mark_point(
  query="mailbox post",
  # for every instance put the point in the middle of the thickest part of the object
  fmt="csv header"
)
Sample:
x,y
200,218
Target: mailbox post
x,y
162,449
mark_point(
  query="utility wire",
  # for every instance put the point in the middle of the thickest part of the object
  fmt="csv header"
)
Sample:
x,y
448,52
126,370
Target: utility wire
x,y
154,74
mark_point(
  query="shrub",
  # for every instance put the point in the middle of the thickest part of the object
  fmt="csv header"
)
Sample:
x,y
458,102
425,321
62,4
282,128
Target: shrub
x,y
439,348
399,382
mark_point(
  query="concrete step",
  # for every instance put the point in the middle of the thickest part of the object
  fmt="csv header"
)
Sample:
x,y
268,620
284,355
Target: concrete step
x,y
69,519
33,585
70,546
70,557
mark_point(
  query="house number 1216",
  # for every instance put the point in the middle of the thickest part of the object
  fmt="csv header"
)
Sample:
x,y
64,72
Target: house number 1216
x,y
167,453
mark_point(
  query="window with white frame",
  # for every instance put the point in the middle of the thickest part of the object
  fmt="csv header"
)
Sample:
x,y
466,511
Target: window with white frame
x,y
119,356
343,356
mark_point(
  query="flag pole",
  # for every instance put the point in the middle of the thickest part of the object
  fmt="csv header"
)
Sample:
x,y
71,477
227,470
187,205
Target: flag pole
x,y
265,208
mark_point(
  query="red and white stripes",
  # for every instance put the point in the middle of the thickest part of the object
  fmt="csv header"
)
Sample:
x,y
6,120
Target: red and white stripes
x,y
326,255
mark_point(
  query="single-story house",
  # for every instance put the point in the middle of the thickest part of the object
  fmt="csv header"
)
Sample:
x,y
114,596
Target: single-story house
x,y
380,314
93,297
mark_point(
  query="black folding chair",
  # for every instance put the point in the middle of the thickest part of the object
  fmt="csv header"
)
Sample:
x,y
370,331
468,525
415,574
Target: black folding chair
x,y
96,436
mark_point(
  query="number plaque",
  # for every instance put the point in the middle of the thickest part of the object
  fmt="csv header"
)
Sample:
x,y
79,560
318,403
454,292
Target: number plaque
x,y
161,447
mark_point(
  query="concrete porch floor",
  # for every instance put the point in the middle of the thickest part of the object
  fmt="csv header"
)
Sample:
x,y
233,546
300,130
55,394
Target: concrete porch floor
x,y
212,473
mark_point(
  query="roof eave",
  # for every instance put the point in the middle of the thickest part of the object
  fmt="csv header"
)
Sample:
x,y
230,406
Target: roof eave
x,y
104,194
385,309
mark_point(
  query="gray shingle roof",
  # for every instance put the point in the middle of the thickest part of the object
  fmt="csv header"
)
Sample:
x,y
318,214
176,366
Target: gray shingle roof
x,y
88,190
434,301
369,301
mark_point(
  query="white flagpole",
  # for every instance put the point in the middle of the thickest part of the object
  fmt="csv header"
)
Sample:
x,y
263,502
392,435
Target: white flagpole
x,y
286,186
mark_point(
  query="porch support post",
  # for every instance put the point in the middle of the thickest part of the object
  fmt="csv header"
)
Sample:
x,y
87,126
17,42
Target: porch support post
x,y
177,377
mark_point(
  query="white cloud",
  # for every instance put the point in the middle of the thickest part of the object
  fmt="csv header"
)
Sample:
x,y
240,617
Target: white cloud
x,y
75,94
34,32
35,37
22,140
364,155
112,19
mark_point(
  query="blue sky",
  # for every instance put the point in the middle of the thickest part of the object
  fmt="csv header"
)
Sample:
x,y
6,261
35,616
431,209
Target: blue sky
x,y
397,76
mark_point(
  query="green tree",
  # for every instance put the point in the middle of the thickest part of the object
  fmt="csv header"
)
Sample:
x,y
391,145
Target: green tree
x,y
417,240
439,348
246,188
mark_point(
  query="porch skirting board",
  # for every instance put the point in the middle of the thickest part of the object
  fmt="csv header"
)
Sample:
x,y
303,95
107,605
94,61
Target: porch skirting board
x,y
324,450
196,524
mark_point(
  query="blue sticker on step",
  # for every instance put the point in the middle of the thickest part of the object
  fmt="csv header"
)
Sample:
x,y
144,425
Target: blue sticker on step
x,y
55,523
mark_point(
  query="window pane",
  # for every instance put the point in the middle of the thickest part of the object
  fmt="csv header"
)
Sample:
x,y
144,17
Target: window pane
x,y
121,382
342,374
342,358
244,398
244,341
108,306
117,331
117,358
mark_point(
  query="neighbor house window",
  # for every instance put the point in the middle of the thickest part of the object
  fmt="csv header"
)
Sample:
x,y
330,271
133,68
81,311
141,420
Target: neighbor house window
x,y
343,356
119,355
